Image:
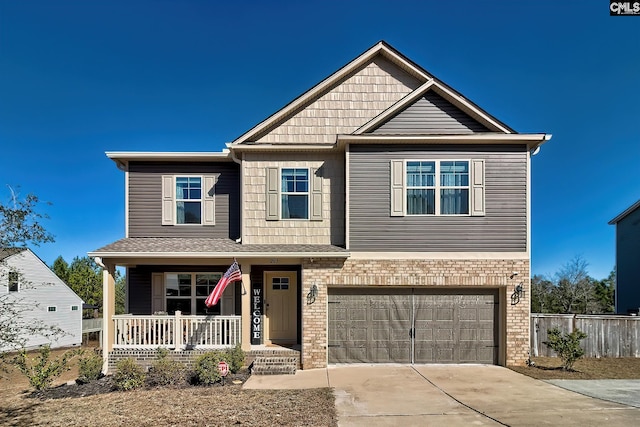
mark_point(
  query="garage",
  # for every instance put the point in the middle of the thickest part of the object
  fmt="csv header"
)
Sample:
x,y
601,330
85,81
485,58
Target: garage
x,y
393,325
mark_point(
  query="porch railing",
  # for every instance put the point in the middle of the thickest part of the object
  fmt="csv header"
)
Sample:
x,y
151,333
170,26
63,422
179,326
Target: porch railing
x,y
176,332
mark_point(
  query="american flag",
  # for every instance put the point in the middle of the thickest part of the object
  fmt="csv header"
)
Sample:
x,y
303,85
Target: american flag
x,y
233,274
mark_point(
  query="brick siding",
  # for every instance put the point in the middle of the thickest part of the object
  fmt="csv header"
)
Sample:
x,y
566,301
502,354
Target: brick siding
x,y
469,273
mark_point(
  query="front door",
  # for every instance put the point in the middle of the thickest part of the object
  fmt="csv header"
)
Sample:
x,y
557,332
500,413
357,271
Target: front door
x,y
281,308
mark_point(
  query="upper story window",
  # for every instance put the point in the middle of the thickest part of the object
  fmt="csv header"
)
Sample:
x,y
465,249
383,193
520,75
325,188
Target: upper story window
x,y
295,193
14,281
437,187
188,200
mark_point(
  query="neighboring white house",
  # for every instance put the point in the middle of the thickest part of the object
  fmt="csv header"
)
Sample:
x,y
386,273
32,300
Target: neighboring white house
x,y
43,297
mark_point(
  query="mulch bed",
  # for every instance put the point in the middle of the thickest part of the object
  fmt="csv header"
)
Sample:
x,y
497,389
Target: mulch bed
x,y
107,385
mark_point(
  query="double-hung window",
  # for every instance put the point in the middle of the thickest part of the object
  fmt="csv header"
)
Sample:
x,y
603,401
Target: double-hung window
x,y
421,188
454,188
437,187
295,193
188,200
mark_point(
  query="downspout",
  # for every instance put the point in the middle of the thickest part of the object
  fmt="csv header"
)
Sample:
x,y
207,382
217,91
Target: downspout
x,y
238,161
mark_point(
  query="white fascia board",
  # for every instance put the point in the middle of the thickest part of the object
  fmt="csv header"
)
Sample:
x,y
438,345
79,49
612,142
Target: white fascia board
x,y
532,140
238,255
285,147
123,157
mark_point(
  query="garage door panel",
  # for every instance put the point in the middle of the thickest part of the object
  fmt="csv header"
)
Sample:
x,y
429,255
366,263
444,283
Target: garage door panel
x,y
444,313
444,355
449,326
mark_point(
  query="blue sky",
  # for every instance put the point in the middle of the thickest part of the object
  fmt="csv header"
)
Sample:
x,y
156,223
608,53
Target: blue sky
x,y
78,78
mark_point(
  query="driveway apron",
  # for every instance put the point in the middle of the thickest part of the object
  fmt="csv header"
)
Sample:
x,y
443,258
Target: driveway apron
x,y
450,395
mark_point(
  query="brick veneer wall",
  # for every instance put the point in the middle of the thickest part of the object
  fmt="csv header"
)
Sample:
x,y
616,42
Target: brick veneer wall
x,y
469,273
146,357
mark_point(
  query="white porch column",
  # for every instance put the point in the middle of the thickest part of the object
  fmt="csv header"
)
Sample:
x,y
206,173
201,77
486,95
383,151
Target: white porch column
x,y
108,310
246,307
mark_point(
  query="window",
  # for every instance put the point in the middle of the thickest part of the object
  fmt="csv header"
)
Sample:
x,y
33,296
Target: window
x,y
188,200
421,188
454,188
74,308
14,281
280,283
51,309
437,187
295,193
187,292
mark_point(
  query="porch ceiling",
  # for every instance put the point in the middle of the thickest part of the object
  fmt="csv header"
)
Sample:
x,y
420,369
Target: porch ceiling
x,y
190,247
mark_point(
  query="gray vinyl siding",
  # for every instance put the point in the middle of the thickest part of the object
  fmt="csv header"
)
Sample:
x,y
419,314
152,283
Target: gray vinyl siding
x,y
431,114
502,229
140,284
41,288
145,200
628,263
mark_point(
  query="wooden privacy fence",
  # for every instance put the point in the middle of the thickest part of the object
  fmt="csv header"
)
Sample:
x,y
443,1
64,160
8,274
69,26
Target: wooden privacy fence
x,y
607,335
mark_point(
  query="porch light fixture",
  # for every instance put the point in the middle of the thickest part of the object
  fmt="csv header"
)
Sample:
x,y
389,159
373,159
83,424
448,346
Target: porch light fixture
x,y
518,292
313,294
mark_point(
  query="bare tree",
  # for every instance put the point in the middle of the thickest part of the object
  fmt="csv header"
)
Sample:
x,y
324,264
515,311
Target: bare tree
x,y
575,289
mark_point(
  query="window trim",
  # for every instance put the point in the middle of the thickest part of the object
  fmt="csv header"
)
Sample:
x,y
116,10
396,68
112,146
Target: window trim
x,y
398,187
438,187
176,200
273,196
295,193
207,199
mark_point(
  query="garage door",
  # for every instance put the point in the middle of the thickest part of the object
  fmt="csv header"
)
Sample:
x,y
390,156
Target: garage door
x,y
412,326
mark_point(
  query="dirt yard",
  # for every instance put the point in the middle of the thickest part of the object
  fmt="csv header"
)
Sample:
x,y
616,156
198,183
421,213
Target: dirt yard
x,y
550,368
186,406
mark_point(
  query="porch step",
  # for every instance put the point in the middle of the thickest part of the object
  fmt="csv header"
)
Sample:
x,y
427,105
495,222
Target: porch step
x,y
274,365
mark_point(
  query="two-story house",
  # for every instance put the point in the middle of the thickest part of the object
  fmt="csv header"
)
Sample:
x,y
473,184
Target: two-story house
x,y
378,217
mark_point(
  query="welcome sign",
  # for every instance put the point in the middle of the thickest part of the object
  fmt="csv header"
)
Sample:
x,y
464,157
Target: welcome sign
x,y
256,315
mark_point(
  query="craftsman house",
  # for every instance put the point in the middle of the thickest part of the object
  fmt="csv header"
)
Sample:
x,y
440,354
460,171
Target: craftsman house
x,y
45,304
379,217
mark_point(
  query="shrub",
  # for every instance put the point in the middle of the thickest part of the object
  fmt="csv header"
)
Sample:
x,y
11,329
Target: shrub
x,y
89,367
165,371
129,375
40,370
567,345
235,358
206,368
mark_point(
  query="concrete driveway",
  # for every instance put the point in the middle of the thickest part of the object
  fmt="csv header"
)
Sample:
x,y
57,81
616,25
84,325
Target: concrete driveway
x,y
450,395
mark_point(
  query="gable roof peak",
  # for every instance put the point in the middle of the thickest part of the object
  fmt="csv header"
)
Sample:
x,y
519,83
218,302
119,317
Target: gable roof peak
x,y
384,49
